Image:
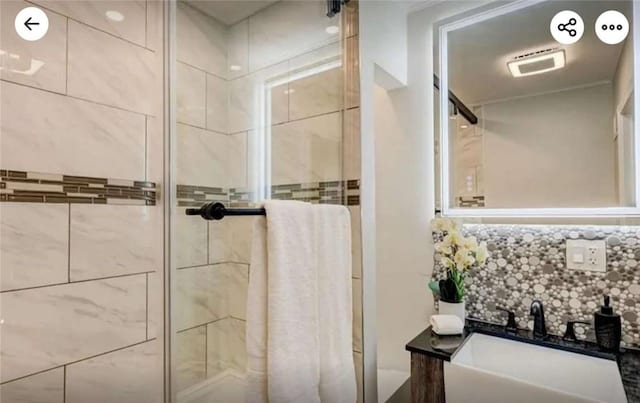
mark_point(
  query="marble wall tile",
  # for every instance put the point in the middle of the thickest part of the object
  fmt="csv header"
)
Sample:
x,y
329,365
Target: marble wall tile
x,y
280,98
218,349
201,40
191,350
40,64
219,241
155,152
189,240
352,60
226,347
246,94
191,94
310,59
132,27
47,327
356,241
316,94
110,240
130,375
237,285
357,359
155,305
237,151
34,248
203,157
351,148
237,345
69,136
357,314
238,49
241,234
110,71
45,387
217,101
201,295
271,38
308,150
154,24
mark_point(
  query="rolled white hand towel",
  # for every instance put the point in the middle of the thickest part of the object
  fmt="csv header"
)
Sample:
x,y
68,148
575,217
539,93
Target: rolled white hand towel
x,y
446,324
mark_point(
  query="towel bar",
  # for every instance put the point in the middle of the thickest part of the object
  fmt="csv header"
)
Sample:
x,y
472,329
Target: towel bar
x,y
217,211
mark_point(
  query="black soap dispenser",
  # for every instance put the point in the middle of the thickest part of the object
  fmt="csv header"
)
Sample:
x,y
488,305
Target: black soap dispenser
x,y
608,327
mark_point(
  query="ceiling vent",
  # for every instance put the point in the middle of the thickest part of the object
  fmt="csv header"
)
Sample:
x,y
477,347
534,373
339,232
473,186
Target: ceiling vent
x,y
538,62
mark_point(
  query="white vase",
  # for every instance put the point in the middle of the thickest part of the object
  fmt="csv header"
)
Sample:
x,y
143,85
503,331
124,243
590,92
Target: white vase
x,y
448,308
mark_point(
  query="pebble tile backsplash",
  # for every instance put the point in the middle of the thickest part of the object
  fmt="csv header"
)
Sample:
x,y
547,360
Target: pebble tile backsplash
x,y
528,262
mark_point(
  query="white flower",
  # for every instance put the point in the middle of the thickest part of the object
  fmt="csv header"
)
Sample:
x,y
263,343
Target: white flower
x,y
482,253
440,224
462,258
443,248
453,238
446,262
445,225
470,243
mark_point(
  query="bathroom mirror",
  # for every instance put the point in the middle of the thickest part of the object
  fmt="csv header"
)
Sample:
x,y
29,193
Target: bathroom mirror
x,y
529,126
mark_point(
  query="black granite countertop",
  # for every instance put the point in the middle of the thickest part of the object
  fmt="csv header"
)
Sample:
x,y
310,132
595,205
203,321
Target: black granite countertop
x,y
443,347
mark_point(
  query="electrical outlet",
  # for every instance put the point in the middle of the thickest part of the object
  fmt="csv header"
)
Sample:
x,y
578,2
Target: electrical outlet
x,y
583,254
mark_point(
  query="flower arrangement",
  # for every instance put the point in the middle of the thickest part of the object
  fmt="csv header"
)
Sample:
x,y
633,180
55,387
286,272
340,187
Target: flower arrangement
x,y
458,254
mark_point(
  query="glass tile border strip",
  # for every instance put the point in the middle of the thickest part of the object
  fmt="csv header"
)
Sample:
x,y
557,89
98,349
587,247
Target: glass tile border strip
x,y
38,187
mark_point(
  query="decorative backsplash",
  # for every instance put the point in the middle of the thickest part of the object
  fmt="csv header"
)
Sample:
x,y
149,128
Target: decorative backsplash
x,y
528,262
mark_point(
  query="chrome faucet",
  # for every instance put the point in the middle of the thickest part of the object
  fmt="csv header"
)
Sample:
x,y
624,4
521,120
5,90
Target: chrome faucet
x,y
539,326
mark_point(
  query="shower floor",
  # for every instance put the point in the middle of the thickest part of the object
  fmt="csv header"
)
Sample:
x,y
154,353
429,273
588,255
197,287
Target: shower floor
x,y
228,387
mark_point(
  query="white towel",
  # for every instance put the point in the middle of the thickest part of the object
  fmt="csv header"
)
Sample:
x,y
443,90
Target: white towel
x,y
446,324
284,359
256,331
299,306
337,373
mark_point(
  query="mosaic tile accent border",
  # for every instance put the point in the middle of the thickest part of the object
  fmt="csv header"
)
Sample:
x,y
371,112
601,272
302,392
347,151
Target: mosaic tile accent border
x,y
331,192
472,201
528,262
35,187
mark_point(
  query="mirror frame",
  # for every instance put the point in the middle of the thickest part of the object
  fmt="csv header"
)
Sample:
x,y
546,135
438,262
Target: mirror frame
x,y
483,14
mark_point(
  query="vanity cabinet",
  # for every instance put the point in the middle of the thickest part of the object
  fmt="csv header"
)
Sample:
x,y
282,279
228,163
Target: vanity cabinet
x,y
427,379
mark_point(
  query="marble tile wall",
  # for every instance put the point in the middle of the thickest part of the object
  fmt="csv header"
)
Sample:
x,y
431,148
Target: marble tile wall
x,y
81,254
222,75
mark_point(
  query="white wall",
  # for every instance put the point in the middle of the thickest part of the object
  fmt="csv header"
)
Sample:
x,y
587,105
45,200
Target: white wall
x,y
383,59
404,187
550,150
403,211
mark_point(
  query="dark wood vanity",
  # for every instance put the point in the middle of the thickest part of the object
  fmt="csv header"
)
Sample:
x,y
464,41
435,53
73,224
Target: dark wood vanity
x,y
429,352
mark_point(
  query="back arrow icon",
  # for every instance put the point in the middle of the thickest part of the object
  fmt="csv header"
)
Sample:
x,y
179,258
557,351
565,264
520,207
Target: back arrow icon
x,y
28,24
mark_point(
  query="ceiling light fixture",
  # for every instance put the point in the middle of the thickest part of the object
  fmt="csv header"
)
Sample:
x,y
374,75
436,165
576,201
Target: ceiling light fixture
x,y
114,15
235,67
463,126
332,29
537,62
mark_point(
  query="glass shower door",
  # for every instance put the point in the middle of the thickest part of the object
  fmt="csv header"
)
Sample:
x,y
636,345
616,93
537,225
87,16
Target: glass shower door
x,y
267,107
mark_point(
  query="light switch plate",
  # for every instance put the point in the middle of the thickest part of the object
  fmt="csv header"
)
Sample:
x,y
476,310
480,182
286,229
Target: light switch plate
x,y
589,255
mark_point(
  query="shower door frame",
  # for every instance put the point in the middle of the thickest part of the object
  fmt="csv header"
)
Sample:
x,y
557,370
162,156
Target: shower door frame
x,y
170,199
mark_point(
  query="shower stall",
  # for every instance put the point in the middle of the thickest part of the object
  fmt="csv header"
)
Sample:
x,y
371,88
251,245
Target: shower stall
x,y
264,105
125,114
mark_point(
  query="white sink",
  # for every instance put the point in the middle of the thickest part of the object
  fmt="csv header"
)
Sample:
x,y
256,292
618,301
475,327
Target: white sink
x,y
490,369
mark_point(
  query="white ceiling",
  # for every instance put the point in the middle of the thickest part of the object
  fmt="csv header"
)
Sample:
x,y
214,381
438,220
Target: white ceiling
x,y
478,54
229,12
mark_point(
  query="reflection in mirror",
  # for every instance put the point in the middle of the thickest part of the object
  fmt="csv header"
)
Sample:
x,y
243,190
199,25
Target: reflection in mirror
x,y
555,124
